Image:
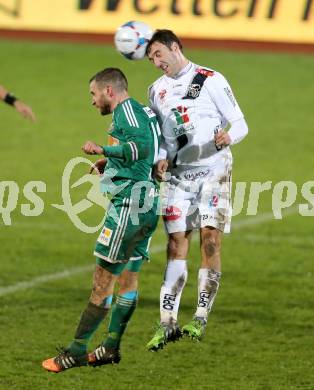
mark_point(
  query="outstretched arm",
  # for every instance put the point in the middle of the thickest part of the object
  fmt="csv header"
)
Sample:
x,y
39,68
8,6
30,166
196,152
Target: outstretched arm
x,y
20,107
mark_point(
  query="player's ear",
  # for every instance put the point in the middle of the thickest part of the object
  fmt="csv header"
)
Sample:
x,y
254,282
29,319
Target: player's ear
x,y
108,90
174,46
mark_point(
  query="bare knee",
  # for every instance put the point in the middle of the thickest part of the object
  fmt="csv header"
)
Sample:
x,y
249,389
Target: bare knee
x,y
128,281
173,244
178,245
103,284
210,242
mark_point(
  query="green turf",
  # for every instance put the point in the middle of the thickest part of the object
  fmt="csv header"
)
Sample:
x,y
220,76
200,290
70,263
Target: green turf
x,y
260,334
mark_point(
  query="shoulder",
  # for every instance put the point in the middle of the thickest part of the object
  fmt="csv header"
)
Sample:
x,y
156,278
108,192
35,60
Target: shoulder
x,y
126,114
153,87
133,113
216,80
208,75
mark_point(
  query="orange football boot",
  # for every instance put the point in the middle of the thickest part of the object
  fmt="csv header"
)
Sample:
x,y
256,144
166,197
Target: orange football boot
x,y
63,361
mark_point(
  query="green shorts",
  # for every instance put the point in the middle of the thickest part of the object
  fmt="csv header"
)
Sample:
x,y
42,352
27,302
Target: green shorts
x,y
127,233
118,268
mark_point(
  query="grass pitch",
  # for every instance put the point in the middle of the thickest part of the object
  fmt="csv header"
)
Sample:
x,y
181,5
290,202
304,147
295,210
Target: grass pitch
x,y
260,334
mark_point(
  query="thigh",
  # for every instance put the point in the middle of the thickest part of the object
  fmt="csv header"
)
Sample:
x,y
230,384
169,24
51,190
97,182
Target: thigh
x,y
215,202
128,280
178,245
139,243
179,211
122,239
112,242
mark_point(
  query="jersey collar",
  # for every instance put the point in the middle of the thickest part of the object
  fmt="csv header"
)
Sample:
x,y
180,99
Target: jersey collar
x,y
184,71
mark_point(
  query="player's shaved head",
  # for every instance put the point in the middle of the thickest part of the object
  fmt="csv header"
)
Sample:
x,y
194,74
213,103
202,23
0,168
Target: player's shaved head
x,y
166,37
113,76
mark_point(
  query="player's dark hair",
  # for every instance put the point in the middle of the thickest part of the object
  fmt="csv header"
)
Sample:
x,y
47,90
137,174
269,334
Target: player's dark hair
x,y
111,75
166,37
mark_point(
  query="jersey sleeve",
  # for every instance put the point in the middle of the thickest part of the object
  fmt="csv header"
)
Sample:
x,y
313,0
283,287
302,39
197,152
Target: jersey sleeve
x,y
238,131
222,95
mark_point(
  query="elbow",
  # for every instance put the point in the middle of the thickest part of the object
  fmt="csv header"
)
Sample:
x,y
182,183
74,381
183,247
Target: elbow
x,y
135,151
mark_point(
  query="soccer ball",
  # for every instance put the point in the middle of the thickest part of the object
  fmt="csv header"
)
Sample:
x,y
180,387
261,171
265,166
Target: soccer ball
x,y
131,39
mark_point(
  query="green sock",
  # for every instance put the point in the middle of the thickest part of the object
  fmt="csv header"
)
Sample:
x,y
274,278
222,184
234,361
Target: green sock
x,y
91,317
121,314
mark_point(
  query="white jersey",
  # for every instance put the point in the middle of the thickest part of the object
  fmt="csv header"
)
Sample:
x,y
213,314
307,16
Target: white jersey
x,y
191,108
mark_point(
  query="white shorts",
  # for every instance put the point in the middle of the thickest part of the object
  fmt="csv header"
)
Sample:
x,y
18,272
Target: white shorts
x,y
194,204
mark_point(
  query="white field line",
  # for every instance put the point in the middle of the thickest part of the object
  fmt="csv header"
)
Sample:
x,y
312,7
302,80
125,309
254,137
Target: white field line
x,y
277,239
20,286
264,217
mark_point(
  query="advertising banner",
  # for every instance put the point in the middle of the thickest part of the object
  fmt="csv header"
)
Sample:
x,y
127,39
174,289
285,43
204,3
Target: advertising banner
x,y
290,21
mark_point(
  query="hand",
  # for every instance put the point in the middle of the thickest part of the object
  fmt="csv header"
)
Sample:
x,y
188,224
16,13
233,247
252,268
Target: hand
x,y
160,169
25,110
92,148
222,138
99,166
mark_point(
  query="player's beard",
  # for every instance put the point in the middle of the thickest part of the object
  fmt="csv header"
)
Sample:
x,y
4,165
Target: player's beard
x,y
105,109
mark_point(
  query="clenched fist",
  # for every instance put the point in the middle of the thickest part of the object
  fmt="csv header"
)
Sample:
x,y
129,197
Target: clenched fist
x,y
92,148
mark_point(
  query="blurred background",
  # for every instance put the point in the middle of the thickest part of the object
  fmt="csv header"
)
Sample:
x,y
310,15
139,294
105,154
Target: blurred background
x,y
260,333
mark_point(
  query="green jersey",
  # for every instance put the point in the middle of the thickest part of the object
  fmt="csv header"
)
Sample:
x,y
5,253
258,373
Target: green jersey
x,y
133,143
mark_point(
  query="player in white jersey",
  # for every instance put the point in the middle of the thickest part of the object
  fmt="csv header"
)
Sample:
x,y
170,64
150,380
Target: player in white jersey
x,y
200,118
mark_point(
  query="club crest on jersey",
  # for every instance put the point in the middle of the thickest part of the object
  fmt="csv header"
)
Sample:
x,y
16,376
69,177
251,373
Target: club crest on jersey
x,y
105,236
194,91
162,94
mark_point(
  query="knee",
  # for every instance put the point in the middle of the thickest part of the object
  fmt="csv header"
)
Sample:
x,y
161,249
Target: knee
x,y
175,245
98,294
102,287
211,245
128,281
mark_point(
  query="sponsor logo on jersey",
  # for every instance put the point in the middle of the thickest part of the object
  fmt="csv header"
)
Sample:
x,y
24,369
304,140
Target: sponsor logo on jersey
x,y
162,94
196,175
213,202
112,141
181,115
183,129
205,72
150,113
105,236
172,213
230,95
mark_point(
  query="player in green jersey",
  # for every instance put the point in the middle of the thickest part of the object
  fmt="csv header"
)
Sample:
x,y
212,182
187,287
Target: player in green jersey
x,y
122,245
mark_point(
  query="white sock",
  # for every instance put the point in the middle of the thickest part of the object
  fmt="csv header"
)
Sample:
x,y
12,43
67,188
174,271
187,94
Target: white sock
x,y
170,294
208,284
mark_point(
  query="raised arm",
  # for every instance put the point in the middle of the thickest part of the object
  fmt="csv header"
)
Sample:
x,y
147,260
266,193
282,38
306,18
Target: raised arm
x,y
20,107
